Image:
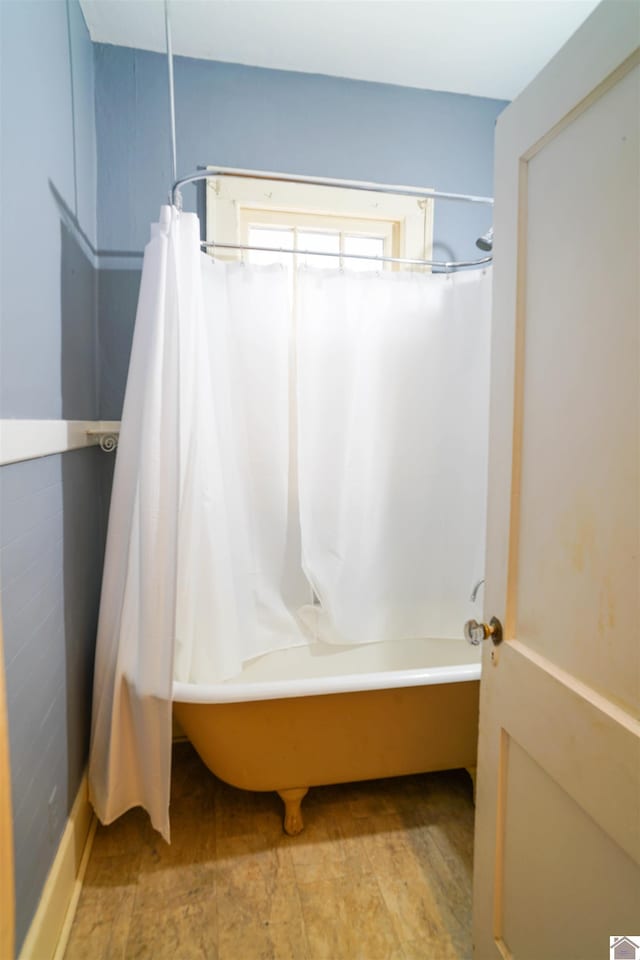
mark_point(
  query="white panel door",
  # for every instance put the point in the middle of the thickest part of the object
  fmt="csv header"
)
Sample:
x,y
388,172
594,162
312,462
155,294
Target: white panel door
x,y
558,802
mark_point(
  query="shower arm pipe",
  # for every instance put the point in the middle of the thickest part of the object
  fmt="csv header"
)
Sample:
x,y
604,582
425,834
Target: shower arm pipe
x,y
209,173
444,264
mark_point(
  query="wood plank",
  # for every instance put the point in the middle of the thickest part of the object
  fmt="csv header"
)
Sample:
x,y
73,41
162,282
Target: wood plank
x,y
381,872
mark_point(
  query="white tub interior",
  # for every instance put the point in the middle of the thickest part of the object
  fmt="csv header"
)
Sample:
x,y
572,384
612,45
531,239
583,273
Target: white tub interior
x,y
322,669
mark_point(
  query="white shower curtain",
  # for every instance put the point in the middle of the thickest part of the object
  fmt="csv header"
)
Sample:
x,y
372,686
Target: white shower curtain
x,y
202,566
232,497
393,383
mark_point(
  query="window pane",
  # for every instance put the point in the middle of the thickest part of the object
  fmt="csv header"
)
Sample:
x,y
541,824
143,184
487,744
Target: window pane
x,y
323,241
363,246
270,237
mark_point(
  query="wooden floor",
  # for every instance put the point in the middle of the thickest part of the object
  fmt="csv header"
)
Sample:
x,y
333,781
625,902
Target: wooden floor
x,y
381,872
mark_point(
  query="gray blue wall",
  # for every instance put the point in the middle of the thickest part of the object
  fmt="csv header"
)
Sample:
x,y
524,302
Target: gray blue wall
x,y
48,191
51,532
249,117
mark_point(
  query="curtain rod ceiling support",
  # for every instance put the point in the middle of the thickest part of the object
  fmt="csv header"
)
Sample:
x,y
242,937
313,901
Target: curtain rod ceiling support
x,y
172,99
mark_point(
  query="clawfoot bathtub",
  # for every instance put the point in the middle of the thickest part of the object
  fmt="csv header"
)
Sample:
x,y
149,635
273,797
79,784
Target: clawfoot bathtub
x,y
318,715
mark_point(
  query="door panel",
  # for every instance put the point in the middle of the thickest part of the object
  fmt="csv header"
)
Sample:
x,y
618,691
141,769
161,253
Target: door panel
x,y
580,864
557,853
579,530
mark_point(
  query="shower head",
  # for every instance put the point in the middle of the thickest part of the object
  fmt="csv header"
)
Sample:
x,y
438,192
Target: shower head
x,y
485,242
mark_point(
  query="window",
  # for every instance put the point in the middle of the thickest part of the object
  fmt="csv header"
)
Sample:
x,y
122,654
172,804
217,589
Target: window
x,y
325,220
305,232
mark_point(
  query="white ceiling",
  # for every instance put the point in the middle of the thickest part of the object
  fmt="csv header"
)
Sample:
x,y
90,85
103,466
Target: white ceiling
x,y
488,48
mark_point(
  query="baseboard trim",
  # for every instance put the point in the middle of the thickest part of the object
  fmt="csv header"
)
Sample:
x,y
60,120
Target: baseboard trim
x,y
63,939
49,930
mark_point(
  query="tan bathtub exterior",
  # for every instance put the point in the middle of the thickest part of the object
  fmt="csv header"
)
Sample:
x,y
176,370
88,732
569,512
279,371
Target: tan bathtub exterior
x,y
291,744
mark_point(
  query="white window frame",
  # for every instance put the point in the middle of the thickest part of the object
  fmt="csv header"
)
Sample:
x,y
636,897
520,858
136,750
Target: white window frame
x,y
235,203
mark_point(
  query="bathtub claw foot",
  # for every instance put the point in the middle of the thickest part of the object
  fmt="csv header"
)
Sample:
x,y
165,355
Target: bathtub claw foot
x,y
293,822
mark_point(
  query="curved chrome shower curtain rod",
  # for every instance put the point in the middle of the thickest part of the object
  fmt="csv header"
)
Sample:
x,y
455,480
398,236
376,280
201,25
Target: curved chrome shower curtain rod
x,y
207,173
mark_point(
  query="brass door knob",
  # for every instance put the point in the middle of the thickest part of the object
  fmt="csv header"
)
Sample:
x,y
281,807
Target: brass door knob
x,y
475,632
